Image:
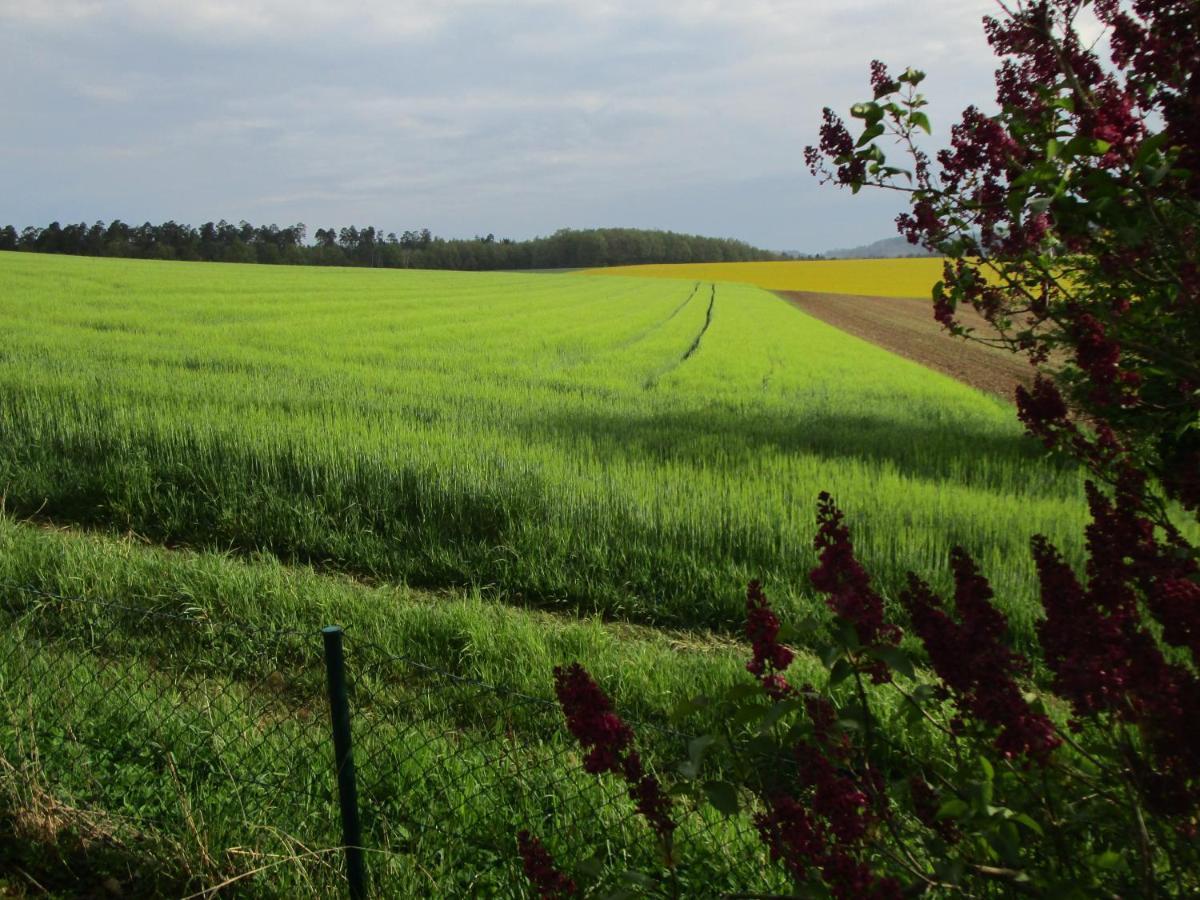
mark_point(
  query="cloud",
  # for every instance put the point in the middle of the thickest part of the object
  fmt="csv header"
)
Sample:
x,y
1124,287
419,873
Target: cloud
x,y
515,117
105,93
268,20
48,12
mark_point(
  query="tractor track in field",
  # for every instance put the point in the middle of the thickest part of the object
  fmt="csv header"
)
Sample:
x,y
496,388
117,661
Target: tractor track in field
x,y
650,329
712,298
679,308
652,382
905,326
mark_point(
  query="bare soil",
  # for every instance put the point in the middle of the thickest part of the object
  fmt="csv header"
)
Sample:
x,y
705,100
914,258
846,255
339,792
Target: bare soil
x,y
906,327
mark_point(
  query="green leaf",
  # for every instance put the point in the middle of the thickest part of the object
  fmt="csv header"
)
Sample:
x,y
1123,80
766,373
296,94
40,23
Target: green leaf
x,y
1150,146
840,672
870,112
1109,859
748,715
986,793
743,692
723,796
1039,205
954,808
989,771
1077,146
777,711
685,709
912,714
640,879
922,693
800,632
897,660
829,654
920,120
593,866
1158,174
869,135
698,746
759,745
950,870
847,634
1026,820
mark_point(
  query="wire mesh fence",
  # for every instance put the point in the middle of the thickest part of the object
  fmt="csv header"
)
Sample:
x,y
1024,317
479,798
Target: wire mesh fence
x,y
196,754
189,738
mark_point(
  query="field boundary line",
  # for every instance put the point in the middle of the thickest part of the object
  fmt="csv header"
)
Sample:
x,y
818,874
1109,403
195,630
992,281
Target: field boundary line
x,y
905,327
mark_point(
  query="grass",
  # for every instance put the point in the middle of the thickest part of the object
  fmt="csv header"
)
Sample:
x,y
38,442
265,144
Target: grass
x,y
178,696
480,477
593,445
872,277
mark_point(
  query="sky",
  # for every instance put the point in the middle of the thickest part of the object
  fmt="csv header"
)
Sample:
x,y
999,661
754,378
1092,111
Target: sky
x,y
464,116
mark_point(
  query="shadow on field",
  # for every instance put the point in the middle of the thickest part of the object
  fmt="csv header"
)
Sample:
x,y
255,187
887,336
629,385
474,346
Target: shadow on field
x,y
703,437
61,860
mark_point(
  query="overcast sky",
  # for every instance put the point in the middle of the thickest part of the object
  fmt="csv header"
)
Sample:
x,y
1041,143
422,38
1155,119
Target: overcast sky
x,y
464,116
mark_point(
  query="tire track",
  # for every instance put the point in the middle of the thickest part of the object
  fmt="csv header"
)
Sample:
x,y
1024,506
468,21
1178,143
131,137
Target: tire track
x,y
652,382
679,308
646,332
707,321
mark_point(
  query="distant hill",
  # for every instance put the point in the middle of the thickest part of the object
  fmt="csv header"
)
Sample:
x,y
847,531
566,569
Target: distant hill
x,y
888,248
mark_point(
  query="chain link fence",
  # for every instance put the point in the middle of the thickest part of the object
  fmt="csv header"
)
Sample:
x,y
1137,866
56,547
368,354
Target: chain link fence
x,y
171,753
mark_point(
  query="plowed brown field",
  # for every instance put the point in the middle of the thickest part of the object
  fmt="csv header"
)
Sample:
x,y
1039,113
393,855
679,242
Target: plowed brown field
x,y
907,328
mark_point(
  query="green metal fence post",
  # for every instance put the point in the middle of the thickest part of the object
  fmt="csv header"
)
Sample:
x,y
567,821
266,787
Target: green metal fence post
x,y
339,710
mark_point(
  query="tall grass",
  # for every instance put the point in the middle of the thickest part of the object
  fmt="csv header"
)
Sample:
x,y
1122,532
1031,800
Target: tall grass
x,y
180,695
623,453
599,445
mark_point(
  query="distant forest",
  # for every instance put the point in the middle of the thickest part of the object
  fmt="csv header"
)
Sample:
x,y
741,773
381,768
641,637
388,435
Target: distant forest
x,y
224,242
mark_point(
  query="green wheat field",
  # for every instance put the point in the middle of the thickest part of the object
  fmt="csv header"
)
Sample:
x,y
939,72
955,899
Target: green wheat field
x,y
489,474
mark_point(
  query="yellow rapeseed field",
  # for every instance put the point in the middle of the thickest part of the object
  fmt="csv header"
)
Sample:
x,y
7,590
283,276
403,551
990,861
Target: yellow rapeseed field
x,y
875,277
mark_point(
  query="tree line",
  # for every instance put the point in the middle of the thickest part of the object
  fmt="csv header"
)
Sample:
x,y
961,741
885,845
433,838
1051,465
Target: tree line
x,y
370,246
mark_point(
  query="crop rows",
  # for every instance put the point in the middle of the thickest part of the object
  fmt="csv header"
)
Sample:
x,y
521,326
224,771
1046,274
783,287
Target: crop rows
x,y
563,441
237,439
